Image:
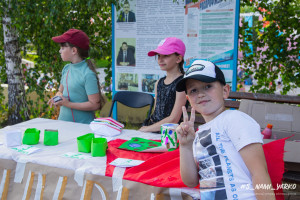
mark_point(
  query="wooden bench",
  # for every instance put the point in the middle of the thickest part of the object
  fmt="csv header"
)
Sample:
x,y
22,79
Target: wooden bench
x,y
234,100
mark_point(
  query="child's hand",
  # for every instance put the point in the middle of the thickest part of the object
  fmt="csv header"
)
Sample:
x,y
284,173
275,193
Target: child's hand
x,y
50,102
185,131
63,102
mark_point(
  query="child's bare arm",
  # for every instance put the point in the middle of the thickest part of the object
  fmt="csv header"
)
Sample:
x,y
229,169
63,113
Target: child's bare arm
x,y
254,158
92,104
60,90
186,135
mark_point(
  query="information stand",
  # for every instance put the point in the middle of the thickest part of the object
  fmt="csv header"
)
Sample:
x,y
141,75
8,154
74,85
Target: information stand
x,y
209,29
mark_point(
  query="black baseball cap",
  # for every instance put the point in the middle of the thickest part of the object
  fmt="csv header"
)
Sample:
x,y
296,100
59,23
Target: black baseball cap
x,y
201,70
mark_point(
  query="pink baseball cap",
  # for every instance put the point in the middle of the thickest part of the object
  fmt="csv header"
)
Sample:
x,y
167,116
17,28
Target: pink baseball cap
x,y
168,46
75,37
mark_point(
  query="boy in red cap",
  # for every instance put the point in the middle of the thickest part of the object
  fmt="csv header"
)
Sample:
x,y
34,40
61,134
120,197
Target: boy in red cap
x,y
170,57
79,92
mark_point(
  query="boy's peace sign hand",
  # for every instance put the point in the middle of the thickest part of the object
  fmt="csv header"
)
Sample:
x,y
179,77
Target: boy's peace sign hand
x,y
186,131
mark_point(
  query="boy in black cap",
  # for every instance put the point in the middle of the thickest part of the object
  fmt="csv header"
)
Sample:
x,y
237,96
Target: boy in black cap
x,y
225,155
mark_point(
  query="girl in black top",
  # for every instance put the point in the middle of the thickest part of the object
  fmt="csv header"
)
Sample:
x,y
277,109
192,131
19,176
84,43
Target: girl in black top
x,y
168,103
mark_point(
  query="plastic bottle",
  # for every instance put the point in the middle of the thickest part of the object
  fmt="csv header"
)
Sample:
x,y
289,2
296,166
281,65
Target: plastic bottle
x,y
267,132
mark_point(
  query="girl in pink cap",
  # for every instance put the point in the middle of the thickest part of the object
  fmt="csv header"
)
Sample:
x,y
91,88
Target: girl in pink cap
x,y
170,57
79,92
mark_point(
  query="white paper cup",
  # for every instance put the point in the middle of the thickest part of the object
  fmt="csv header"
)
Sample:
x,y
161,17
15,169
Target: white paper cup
x,y
13,138
169,136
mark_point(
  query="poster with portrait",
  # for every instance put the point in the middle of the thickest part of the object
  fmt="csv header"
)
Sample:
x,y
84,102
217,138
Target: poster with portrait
x,y
208,28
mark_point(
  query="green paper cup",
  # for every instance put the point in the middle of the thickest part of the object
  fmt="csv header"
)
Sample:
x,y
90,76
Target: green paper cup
x,y
84,142
50,137
99,146
31,136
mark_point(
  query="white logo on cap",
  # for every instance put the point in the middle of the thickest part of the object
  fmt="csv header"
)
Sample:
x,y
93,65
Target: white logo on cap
x,y
161,42
195,67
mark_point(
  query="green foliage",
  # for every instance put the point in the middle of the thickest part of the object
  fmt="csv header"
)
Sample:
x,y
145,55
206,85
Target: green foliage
x,y
37,21
247,9
31,57
102,63
3,110
276,45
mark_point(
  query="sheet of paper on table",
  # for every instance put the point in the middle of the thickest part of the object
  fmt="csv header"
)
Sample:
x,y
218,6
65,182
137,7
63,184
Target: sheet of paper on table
x,y
124,162
26,149
76,155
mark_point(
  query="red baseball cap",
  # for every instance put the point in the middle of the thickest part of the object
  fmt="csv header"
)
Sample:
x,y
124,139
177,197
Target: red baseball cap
x,y
169,46
75,37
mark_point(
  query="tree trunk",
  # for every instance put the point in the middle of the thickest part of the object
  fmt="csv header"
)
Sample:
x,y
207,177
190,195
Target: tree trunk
x,y
17,105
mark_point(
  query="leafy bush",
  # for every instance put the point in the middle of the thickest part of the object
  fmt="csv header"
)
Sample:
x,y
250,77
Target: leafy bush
x,y
276,43
36,23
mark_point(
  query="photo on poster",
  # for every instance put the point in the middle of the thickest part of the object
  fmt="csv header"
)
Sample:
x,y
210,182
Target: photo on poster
x,y
127,81
125,51
148,82
127,11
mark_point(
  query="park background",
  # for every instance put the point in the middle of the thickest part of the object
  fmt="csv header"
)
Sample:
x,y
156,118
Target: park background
x,y
269,49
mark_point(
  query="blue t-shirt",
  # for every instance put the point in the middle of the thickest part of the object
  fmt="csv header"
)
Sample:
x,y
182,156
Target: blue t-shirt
x,y
82,82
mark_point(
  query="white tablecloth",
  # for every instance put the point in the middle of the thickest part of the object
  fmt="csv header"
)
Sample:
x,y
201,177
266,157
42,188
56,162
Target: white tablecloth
x,y
68,133
50,156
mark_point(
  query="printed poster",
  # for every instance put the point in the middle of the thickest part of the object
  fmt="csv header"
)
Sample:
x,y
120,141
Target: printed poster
x,y
208,28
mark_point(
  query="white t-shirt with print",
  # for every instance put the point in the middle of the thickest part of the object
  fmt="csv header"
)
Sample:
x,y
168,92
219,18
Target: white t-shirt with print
x,y
223,173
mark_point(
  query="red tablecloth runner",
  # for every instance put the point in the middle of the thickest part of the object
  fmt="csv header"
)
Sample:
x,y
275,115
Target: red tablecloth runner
x,y
163,170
